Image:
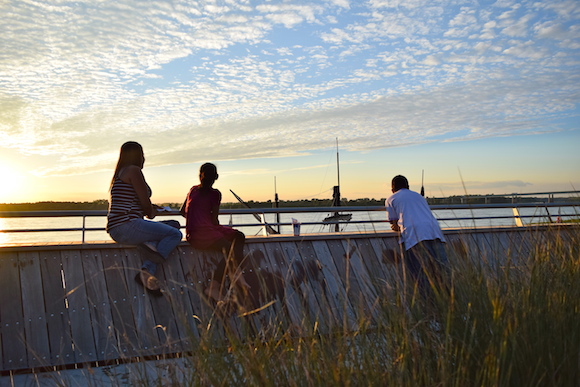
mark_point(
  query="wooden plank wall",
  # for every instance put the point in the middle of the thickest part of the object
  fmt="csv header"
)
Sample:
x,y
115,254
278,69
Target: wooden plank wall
x,y
80,304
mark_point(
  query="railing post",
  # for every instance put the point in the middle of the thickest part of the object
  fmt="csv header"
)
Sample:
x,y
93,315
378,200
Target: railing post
x,y
517,218
83,238
263,220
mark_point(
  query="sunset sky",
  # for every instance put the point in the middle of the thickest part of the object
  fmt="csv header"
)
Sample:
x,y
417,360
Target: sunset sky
x,y
481,95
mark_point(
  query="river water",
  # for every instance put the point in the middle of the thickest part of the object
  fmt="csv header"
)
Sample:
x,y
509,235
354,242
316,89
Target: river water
x,y
447,219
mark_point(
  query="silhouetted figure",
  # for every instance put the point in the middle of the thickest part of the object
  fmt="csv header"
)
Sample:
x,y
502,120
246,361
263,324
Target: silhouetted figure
x,y
203,231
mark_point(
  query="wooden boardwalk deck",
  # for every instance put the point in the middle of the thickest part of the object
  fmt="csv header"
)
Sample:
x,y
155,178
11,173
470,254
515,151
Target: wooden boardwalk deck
x,y
65,306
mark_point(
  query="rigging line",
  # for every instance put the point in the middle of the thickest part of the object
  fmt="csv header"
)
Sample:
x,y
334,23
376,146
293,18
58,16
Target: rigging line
x,y
318,194
326,171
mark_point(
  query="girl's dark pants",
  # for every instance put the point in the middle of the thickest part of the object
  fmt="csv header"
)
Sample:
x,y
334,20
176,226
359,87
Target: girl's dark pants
x,y
231,261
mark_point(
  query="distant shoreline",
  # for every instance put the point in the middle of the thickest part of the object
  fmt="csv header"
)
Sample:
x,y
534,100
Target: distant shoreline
x,y
103,204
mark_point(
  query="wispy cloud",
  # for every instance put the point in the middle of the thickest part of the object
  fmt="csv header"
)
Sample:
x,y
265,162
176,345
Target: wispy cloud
x,y
234,80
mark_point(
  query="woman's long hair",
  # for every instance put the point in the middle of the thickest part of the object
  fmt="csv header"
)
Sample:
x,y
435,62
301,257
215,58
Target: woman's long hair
x,y
131,154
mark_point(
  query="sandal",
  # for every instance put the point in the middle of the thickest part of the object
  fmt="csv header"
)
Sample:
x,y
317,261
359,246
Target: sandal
x,y
157,292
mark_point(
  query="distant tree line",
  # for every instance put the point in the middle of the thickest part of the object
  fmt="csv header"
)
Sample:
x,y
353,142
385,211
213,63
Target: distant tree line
x,y
307,203
103,204
493,199
100,204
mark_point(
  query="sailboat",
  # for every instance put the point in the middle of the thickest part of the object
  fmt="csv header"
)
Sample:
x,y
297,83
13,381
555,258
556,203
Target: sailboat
x,y
337,217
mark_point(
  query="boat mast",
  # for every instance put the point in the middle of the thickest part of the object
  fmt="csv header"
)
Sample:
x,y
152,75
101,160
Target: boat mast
x,y
276,204
337,217
337,164
337,189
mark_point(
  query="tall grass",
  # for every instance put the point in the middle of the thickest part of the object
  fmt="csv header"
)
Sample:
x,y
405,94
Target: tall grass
x,y
511,326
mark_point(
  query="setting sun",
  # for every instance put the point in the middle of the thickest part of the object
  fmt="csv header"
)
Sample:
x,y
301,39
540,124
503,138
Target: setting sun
x,y
11,183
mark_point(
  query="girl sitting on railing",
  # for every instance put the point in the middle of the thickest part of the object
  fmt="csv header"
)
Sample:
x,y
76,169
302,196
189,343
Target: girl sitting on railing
x,y
203,231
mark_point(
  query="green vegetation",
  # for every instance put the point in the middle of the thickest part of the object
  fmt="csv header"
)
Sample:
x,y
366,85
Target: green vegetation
x,y
492,199
308,203
103,204
55,206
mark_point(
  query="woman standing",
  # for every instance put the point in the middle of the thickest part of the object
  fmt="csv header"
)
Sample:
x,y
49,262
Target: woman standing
x,y
129,203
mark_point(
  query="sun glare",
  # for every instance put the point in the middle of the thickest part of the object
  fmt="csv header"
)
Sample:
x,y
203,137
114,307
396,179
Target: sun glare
x,y
11,184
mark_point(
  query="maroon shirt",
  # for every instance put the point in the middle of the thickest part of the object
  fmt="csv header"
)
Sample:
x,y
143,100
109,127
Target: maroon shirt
x,y
201,233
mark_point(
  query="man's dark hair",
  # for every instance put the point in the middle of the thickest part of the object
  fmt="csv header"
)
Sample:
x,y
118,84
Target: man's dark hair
x,y
399,182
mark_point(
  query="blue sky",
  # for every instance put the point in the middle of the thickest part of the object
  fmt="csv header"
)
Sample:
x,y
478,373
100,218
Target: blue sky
x,y
482,95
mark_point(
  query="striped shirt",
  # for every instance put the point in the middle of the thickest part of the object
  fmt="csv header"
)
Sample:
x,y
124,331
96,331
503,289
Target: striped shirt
x,y
124,205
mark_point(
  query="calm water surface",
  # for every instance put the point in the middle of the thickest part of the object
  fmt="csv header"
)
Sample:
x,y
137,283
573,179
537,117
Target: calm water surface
x,y
447,219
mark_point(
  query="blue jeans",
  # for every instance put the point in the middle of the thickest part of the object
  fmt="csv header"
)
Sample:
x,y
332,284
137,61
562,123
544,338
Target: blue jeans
x,y
427,262
164,235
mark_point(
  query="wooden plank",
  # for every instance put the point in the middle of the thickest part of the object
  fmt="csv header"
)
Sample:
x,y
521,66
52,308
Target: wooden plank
x,y
456,247
251,324
374,269
199,267
231,317
117,290
497,256
78,307
99,306
479,250
498,250
566,234
518,246
350,282
267,293
308,306
290,302
193,288
57,313
389,256
327,298
304,314
147,330
506,249
165,319
327,301
327,304
197,272
368,297
35,322
527,243
280,282
14,346
390,252
178,290
344,312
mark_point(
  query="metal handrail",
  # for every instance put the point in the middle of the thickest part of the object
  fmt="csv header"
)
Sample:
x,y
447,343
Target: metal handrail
x,y
285,210
289,210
